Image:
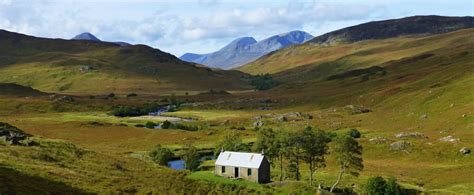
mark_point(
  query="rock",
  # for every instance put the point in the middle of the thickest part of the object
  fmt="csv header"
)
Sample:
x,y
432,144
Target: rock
x,y
449,138
85,68
378,140
291,116
357,109
258,124
12,135
465,150
401,145
414,135
464,115
424,116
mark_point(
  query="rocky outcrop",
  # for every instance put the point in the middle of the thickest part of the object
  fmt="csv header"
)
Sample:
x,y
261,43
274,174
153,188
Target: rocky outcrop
x,y
401,146
449,138
12,135
465,150
412,135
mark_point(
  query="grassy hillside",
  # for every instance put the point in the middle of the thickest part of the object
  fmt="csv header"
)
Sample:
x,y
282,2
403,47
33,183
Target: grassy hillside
x,y
85,66
10,89
323,61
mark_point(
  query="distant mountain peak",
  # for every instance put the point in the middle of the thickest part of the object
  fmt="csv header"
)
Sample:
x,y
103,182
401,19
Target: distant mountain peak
x,y
246,49
86,36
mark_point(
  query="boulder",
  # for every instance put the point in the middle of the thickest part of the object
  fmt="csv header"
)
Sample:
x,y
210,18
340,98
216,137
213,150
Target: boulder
x,y
258,124
12,135
357,109
449,138
401,145
465,150
424,116
378,140
413,135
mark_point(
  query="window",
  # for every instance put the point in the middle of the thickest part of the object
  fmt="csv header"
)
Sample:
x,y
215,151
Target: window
x,y
223,169
249,172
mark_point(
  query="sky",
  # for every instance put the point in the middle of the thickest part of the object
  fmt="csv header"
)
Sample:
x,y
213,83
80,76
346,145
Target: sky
x,y
203,26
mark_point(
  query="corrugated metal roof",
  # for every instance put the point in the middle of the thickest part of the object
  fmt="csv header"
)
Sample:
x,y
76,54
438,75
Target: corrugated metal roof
x,y
239,159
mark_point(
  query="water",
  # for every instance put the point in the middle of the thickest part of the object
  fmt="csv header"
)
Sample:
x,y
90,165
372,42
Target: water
x,y
178,164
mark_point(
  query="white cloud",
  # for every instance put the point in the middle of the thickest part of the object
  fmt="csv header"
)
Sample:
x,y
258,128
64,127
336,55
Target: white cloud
x,y
184,26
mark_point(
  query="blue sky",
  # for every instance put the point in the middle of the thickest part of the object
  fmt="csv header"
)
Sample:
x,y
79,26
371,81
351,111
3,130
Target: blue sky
x,y
202,26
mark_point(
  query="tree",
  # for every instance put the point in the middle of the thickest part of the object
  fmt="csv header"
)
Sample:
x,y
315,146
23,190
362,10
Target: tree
x,y
231,142
348,154
271,142
291,147
375,186
392,187
190,157
314,148
173,100
161,155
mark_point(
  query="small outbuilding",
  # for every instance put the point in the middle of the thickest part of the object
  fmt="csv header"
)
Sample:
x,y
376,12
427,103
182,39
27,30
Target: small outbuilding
x,y
250,166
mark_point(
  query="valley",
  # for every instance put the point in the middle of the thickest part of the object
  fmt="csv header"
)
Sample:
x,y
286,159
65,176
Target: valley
x,y
411,97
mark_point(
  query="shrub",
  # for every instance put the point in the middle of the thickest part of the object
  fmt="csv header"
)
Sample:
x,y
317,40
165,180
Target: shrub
x,y
354,133
150,125
392,187
161,155
166,125
131,95
375,186
263,82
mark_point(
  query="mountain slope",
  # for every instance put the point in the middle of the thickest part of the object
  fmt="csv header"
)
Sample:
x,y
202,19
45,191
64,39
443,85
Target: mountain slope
x,y
246,49
324,48
86,36
10,89
397,27
85,66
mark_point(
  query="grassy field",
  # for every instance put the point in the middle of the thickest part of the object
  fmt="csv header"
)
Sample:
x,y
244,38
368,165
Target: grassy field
x,y
427,87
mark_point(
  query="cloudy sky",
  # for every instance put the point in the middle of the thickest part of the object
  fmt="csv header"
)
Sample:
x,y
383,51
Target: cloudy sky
x,y
201,26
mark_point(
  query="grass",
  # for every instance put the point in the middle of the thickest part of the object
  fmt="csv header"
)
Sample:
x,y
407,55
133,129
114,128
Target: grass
x,y
439,86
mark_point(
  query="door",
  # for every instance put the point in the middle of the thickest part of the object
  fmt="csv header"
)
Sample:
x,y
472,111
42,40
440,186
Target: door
x,y
236,172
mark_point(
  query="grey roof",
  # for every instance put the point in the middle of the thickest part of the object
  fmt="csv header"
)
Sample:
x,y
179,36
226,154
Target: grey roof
x,y
240,159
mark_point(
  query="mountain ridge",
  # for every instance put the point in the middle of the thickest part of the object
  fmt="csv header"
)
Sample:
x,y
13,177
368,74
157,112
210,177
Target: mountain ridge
x,y
246,49
53,65
313,51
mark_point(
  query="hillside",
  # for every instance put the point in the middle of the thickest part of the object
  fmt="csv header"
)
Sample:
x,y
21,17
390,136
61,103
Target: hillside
x,y
336,44
246,49
101,67
11,89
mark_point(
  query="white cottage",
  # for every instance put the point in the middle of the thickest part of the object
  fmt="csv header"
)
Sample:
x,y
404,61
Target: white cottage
x,y
250,166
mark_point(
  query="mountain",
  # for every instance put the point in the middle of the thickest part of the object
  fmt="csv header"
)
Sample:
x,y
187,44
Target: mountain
x,y
246,49
100,67
415,25
333,45
86,36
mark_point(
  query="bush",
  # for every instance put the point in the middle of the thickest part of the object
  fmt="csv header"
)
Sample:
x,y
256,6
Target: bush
x,y
392,187
161,155
378,185
150,125
354,133
166,125
131,95
263,82
375,186
123,111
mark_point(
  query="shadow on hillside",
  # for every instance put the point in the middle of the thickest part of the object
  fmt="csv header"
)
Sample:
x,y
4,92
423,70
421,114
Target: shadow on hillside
x,y
14,182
